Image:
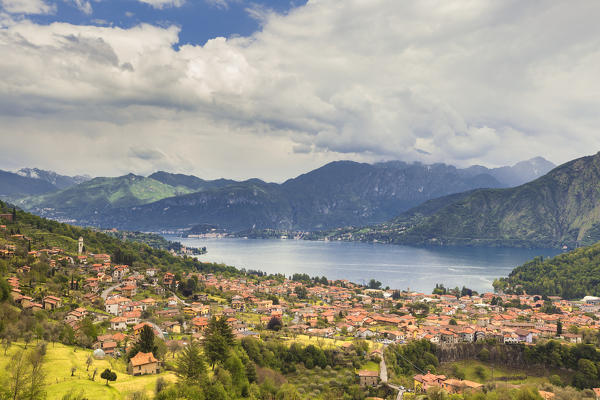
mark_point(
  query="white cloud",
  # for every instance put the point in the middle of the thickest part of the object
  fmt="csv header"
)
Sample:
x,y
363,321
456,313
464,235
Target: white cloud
x,y
163,3
456,81
27,7
84,6
223,4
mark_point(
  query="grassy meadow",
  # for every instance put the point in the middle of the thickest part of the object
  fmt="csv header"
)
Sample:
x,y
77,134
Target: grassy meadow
x,y
59,361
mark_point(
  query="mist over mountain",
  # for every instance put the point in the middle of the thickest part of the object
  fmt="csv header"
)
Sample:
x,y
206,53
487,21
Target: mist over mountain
x,y
338,194
518,174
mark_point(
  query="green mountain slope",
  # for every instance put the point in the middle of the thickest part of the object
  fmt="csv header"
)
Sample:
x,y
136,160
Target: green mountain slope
x,y
560,208
100,194
189,181
572,275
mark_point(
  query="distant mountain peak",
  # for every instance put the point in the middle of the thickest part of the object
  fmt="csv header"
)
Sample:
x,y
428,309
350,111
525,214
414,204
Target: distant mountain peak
x,y
556,209
59,181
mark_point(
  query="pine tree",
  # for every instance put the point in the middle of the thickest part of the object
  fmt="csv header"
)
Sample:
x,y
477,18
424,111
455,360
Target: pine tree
x,y
219,326
190,365
147,340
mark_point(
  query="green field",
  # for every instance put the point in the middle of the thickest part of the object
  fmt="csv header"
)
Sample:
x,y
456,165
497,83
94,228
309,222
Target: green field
x,y
60,359
325,343
370,366
499,374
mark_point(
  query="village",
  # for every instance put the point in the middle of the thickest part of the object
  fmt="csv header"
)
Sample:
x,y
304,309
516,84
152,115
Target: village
x,y
123,300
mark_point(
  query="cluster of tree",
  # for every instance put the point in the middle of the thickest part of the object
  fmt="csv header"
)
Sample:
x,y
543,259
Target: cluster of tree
x,y
512,303
374,284
571,275
306,279
301,292
233,371
414,357
285,358
419,310
25,377
504,392
245,369
584,359
440,289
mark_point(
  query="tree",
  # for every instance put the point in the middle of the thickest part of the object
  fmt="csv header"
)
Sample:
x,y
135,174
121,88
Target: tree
x,y
219,326
439,289
7,339
27,336
215,349
236,368
301,292
37,376
147,340
190,366
4,290
250,371
484,355
373,284
108,375
173,346
480,372
19,375
288,392
558,328
14,214
274,324
145,344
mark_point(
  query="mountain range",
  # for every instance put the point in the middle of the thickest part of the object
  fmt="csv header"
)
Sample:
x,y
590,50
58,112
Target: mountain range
x,y
338,194
561,208
34,181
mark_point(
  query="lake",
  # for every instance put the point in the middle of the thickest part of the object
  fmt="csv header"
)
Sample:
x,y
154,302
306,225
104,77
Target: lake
x,y
399,267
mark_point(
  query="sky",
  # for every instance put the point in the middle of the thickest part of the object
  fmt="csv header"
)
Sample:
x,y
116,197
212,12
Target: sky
x,y
275,88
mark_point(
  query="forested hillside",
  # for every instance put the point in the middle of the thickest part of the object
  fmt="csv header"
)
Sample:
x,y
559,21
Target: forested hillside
x,y
572,275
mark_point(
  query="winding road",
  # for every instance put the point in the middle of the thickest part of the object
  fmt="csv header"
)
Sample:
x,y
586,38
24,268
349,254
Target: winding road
x,y
383,375
159,331
107,291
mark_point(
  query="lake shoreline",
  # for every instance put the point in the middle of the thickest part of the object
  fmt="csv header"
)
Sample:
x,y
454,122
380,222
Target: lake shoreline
x,y
399,267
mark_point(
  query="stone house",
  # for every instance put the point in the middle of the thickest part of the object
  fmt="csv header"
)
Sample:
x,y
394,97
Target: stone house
x,y
368,378
143,364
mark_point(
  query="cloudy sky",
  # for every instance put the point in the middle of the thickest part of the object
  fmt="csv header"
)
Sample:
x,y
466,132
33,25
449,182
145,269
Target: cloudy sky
x,y
273,88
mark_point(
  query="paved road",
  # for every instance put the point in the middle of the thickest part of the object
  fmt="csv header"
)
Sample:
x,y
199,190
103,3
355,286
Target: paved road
x,y
400,391
178,299
157,329
107,291
383,375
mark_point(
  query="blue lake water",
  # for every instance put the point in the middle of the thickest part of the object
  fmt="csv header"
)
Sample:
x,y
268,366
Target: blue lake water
x,y
399,267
